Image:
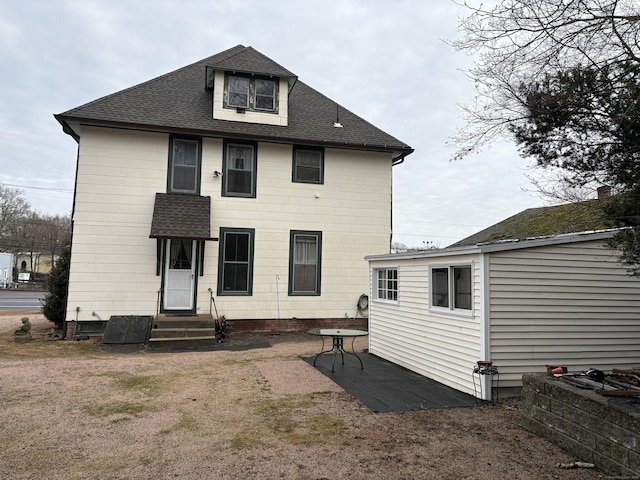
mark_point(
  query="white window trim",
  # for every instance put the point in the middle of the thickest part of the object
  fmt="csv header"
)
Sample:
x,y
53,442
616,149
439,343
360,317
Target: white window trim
x,y
450,310
376,297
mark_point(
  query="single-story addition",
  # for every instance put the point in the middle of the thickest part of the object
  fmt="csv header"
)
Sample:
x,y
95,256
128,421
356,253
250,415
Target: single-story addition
x,y
522,304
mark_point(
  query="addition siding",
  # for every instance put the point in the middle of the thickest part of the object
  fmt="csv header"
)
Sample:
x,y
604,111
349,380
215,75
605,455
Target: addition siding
x,y
570,304
440,346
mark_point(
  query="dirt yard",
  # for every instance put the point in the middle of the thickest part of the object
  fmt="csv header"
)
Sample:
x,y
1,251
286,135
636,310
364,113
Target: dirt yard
x,y
70,410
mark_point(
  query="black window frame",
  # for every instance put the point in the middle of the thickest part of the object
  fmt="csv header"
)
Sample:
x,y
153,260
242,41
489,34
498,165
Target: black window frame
x,y
295,170
226,175
293,235
172,167
226,237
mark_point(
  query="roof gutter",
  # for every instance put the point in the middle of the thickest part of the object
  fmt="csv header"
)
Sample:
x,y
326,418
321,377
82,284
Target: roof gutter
x,y
397,160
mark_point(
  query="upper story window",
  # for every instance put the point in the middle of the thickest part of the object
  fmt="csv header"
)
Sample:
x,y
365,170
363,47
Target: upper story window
x,y
238,92
265,95
251,93
239,170
451,287
184,166
308,165
386,284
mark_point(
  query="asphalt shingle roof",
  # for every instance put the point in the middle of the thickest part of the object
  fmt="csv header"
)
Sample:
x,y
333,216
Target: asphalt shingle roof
x,y
181,216
545,221
178,102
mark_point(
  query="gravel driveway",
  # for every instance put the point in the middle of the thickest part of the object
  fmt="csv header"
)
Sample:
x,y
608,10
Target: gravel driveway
x,y
71,410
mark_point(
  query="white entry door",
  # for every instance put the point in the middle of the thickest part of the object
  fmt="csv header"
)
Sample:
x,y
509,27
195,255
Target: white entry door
x,y
180,274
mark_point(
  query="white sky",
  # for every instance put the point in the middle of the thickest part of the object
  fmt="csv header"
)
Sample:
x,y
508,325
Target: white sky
x,y
384,60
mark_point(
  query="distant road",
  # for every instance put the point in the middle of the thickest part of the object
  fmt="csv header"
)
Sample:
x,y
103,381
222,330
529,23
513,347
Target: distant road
x,y
15,299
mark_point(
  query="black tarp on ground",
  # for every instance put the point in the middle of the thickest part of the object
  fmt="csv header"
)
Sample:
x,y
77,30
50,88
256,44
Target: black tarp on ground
x,y
127,329
386,387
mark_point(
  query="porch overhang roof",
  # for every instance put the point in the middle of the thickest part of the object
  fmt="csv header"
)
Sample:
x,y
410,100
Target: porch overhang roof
x,y
181,216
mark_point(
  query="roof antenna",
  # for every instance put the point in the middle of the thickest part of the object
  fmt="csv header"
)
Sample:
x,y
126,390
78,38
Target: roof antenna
x,y
337,123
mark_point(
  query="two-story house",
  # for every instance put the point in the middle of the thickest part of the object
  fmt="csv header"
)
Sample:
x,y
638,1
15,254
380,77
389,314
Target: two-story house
x,y
227,177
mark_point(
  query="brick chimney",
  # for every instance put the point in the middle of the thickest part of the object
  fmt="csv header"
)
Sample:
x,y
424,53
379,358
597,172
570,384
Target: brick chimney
x,y
604,192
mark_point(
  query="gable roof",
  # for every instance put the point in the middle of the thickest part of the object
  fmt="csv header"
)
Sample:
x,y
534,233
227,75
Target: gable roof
x,y
178,102
544,222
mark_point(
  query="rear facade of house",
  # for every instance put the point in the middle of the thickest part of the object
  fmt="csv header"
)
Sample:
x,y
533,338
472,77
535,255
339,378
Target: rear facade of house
x,y
228,178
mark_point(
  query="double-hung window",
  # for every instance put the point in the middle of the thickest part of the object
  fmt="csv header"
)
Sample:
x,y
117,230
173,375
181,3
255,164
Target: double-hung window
x,y
265,98
238,94
305,262
451,287
308,165
235,262
386,284
184,166
250,93
239,170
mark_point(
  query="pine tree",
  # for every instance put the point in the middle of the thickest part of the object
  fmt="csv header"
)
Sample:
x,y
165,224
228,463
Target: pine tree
x,y
54,305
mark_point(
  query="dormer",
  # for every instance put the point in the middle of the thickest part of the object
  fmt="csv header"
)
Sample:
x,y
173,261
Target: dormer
x,y
249,87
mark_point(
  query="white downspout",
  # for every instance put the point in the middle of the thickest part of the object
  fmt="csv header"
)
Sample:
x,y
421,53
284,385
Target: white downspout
x,y
485,324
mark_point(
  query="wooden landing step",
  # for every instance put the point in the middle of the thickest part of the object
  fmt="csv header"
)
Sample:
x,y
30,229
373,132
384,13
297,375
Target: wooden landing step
x,y
182,331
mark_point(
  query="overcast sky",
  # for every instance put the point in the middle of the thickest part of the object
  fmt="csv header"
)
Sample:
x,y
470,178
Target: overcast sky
x,y
383,60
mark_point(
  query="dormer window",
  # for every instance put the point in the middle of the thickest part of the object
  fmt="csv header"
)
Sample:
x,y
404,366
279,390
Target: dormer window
x,y
251,93
265,94
238,92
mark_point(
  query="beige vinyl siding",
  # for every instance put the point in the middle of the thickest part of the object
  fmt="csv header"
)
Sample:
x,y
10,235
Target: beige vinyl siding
x,y
113,269
568,304
440,346
112,257
352,209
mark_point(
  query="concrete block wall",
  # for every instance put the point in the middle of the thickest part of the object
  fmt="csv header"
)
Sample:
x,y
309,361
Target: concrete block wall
x,y
592,427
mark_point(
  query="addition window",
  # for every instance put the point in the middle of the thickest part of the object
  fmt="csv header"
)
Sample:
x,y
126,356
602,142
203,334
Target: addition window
x,y
308,165
386,284
235,262
451,287
184,166
239,170
305,262
251,93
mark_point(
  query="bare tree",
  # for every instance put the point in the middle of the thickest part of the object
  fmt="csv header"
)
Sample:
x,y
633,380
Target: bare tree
x,y
520,42
13,211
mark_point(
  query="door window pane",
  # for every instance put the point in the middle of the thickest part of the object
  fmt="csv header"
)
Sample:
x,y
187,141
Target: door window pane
x,y
180,254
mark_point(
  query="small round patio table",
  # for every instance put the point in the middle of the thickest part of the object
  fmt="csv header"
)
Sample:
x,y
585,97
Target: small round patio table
x,y
337,344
